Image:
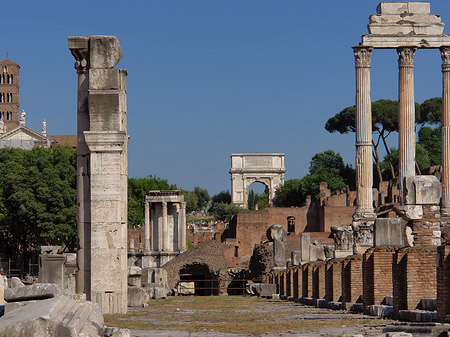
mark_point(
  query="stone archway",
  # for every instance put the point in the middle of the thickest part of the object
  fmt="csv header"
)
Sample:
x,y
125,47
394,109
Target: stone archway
x,y
248,168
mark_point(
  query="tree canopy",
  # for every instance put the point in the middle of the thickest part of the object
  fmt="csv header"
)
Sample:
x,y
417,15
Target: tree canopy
x,y
37,200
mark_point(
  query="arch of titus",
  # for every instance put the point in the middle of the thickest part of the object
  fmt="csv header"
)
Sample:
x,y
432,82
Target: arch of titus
x,y
248,168
404,26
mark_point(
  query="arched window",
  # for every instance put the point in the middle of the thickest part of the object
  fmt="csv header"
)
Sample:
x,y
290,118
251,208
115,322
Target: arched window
x,y
2,98
291,224
2,79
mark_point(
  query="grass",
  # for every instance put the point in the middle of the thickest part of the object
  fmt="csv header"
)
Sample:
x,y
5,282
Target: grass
x,y
230,314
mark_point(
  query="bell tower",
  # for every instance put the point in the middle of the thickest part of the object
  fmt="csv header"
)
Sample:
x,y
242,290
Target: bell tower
x,y
9,93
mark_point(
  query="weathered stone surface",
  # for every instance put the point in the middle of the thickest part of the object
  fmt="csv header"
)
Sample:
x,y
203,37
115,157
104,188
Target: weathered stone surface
x,y
418,329
422,190
138,297
58,316
389,232
262,289
409,212
296,257
105,51
15,282
52,268
50,249
277,234
33,292
343,237
305,241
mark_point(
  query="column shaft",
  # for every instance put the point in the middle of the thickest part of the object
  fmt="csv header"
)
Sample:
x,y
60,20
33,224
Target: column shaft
x,y
445,201
406,117
363,120
183,227
160,231
147,227
165,230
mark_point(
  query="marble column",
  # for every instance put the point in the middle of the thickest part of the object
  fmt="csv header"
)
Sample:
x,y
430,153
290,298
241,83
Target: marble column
x,y
363,111
406,117
147,228
183,227
165,229
159,237
445,200
177,226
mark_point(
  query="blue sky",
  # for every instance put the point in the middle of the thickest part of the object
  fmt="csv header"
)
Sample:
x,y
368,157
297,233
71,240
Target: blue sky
x,y
208,78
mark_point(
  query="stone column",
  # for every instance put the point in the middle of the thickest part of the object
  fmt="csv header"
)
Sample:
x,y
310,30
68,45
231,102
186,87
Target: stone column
x,y
445,200
183,227
364,171
147,228
79,47
102,142
165,230
406,117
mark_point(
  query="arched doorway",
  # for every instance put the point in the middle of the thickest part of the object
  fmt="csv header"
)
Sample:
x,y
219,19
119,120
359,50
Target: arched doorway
x,y
257,196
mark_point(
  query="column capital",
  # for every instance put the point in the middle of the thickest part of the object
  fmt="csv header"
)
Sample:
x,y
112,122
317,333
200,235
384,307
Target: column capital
x,y
445,55
164,204
406,56
79,47
363,56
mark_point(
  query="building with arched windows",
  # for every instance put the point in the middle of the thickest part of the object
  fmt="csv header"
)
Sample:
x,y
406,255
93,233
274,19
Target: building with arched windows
x,y
13,130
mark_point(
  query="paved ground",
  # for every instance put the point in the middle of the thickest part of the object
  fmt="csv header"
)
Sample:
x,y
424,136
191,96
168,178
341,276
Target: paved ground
x,y
229,316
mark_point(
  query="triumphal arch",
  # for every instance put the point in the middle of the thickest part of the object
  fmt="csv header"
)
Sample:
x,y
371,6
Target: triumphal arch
x,y
248,168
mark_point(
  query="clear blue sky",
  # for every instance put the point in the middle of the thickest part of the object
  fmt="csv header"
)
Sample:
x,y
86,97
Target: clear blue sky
x,y
209,78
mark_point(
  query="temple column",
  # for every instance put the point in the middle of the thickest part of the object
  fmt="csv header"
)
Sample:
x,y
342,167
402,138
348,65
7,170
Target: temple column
x,y
406,117
165,229
363,111
445,200
160,233
183,227
147,228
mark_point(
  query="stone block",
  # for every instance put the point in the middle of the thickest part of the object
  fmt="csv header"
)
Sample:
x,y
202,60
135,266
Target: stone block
x,y
402,7
35,291
316,252
275,296
409,212
138,297
305,242
422,190
106,79
334,305
428,304
58,316
418,329
341,254
105,51
389,232
50,249
417,316
15,282
296,257
263,289
52,269
320,303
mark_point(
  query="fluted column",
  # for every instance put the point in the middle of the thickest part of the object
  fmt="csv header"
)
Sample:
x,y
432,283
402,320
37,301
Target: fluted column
x,y
406,117
363,118
445,200
182,222
165,230
147,227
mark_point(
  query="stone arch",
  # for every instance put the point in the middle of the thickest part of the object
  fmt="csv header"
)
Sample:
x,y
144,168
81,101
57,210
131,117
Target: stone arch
x,y
248,168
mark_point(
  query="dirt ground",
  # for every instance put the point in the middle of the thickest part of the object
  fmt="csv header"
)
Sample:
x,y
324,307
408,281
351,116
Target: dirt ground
x,y
226,316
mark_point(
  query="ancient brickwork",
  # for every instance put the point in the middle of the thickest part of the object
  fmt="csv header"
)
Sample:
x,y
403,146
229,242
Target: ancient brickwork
x,y
295,279
333,278
414,276
443,280
352,279
377,275
307,280
318,279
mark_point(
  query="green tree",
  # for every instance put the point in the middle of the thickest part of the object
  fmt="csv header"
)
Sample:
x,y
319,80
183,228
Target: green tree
x,y
138,188
223,196
384,122
224,211
202,196
289,194
191,200
37,200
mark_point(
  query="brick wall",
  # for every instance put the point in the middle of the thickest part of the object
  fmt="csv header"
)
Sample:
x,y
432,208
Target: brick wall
x,y
336,216
352,279
282,283
318,281
307,280
443,281
414,276
288,282
295,279
333,278
377,275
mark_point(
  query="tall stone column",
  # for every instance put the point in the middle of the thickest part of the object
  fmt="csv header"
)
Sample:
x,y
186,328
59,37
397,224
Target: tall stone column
x,y
165,229
183,227
406,117
445,200
364,171
79,47
102,172
147,228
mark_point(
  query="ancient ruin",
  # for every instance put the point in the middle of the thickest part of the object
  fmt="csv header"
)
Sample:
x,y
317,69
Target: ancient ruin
x,y
101,171
164,227
248,168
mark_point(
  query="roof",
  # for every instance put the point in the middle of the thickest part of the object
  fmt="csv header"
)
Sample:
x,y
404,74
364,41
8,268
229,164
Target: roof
x,y
8,62
70,140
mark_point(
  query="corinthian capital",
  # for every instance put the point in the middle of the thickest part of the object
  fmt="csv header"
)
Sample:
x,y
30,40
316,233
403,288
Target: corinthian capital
x,y
363,57
406,56
445,55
